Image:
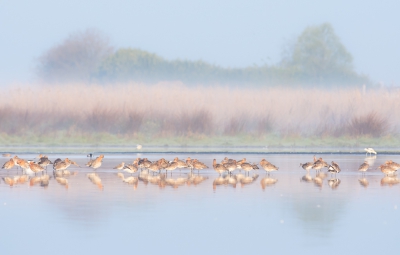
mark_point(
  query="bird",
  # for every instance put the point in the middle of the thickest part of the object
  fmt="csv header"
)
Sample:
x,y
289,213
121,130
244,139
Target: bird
x,y
230,166
35,167
334,168
363,167
319,164
131,168
248,167
307,166
198,165
370,151
61,165
120,166
387,170
97,162
172,166
219,168
267,166
394,165
9,164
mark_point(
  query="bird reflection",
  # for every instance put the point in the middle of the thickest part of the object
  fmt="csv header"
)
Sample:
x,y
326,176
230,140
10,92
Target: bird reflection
x,y
195,179
370,160
42,180
65,173
268,181
390,180
307,178
248,180
334,183
95,179
228,180
132,180
319,179
9,181
363,182
62,181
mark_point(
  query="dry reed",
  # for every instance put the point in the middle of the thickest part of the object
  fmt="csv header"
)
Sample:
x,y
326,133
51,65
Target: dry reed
x,y
176,110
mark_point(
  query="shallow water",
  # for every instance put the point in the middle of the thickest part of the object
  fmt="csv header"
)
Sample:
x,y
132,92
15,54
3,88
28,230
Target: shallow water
x,y
285,212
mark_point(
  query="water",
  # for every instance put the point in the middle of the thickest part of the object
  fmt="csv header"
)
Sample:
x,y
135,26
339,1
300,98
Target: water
x,y
283,213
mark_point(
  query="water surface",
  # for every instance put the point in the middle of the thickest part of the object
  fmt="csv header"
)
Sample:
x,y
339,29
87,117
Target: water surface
x,y
285,212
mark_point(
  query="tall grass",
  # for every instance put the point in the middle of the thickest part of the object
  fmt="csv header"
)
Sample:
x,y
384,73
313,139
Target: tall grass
x,y
172,109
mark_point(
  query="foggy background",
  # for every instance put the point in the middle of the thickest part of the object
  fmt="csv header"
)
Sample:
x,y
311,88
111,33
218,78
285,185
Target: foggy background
x,y
232,34
287,73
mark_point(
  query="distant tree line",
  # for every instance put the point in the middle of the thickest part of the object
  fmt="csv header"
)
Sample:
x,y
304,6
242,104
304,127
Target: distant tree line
x,y
317,57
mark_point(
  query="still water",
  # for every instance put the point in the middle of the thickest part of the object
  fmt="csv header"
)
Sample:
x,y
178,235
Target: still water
x,y
283,213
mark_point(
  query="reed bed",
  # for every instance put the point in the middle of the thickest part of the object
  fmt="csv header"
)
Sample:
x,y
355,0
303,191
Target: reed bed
x,y
172,109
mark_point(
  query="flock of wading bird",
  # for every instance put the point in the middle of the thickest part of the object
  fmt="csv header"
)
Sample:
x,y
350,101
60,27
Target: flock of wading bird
x,y
225,169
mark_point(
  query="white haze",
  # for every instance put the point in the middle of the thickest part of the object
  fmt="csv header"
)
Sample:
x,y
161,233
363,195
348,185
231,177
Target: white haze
x,y
227,33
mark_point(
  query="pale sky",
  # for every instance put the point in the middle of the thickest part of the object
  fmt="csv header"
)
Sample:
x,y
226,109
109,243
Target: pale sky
x,y
228,33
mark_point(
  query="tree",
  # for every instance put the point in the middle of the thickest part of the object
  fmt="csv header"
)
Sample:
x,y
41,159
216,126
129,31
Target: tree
x,y
76,58
319,56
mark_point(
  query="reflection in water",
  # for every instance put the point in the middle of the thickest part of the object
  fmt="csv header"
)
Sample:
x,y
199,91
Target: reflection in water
x,y
43,180
232,180
319,179
62,181
195,179
363,182
370,160
389,180
334,183
95,179
248,180
268,181
307,178
132,180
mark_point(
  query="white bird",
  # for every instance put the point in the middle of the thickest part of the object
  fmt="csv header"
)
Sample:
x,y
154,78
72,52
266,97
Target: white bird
x,y
370,151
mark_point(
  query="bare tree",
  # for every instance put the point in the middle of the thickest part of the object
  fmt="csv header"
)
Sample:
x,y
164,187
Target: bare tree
x,y
76,58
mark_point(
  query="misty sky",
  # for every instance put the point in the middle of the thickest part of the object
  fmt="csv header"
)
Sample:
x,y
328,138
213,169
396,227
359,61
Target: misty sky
x,y
226,32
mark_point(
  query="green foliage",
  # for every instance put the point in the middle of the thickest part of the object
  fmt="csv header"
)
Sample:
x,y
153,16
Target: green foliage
x,y
76,58
318,56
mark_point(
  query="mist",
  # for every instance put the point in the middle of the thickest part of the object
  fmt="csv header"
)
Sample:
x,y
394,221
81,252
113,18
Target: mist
x,y
226,34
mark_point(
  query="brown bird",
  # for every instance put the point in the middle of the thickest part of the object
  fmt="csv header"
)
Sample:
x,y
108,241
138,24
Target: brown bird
x,y
230,166
393,165
267,166
154,167
198,165
97,162
307,166
61,165
334,168
319,164
9,164
120,166
219,168
35,167
248,167
172,166
387,170
181,163
363,167
44,162
131,168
